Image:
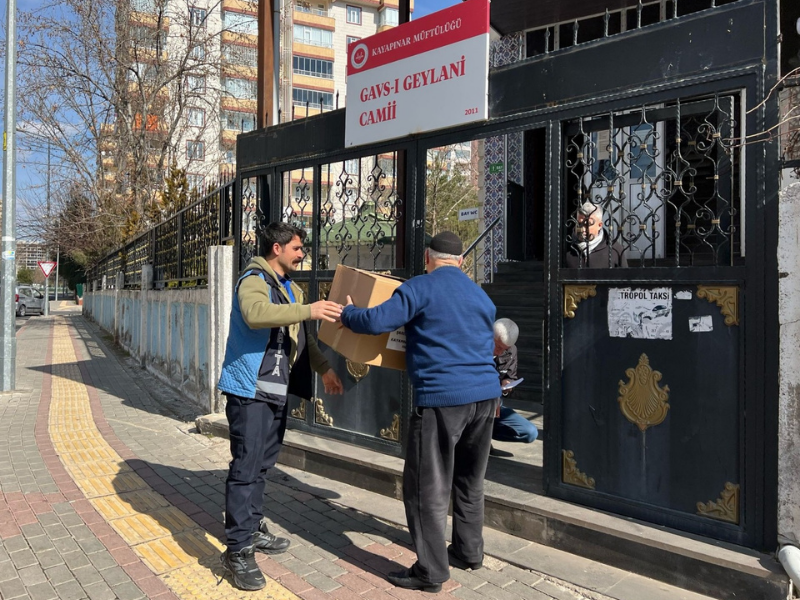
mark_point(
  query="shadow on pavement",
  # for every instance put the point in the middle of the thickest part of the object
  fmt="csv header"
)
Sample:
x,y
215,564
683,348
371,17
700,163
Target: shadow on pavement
x,y
306,513
112,370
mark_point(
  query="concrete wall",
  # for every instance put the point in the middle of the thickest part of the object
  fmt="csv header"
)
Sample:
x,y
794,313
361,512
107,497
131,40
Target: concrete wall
x,y
177,334
789,401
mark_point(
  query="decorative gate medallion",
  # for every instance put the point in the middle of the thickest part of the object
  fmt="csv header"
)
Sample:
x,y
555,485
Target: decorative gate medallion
x,y
726,297
393,431
641,400
570,473
320,416
300,411
357,370
573,294
726,508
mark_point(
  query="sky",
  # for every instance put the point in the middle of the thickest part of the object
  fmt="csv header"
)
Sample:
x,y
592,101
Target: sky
x,y
426,7
30,170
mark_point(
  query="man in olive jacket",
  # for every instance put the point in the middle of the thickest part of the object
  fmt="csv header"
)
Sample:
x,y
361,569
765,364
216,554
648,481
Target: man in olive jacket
x,y
269,354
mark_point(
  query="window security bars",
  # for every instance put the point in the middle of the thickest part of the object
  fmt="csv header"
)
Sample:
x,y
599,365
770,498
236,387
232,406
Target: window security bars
x,y
566,34
356,216
659,185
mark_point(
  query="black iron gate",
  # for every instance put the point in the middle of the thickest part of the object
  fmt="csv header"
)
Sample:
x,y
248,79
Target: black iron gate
x,y
653,354
660,376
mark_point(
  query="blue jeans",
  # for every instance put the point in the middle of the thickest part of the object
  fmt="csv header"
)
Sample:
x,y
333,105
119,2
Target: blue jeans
x,y
511,427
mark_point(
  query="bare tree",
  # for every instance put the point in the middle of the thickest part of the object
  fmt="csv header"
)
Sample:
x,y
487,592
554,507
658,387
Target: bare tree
x,y
451,185
108,84
789,130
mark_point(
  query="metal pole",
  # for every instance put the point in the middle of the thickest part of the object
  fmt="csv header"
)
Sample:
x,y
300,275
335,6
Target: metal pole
x,y
276,59
491,255
505,199
47,279
8,242
58,256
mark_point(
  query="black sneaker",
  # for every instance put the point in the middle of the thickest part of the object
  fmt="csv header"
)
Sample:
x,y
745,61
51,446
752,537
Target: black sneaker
x,y
242,565
459,563
264,541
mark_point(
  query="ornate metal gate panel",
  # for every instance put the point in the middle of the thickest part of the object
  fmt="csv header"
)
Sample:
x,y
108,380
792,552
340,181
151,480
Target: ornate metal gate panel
x,y
652,289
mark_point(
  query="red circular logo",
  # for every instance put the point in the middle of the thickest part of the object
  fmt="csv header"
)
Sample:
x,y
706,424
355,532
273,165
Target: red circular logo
x,y
359,55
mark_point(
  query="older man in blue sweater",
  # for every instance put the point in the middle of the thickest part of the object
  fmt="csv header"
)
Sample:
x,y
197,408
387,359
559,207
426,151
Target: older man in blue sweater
x,y
449,342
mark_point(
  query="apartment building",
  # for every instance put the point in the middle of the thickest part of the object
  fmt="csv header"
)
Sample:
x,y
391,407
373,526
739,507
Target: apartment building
x,y
314,73
30,253
315,38
215,42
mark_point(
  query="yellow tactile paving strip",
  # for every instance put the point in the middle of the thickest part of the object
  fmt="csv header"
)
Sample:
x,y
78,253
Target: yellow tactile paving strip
x,y
182,554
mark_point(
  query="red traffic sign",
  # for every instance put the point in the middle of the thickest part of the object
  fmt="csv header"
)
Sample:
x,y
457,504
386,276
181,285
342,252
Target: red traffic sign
x,y
47,267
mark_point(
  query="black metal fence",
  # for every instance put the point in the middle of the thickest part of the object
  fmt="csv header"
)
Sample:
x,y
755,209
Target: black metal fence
x,y
177,248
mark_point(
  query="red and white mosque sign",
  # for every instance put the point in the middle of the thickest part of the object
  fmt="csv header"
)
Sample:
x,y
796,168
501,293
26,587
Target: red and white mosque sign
x,y
428,74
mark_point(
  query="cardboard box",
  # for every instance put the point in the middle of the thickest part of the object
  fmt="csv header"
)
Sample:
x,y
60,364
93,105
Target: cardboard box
x,y
367,289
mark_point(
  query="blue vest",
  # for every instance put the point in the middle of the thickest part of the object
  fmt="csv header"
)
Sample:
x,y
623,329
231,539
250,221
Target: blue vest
x,y
256,361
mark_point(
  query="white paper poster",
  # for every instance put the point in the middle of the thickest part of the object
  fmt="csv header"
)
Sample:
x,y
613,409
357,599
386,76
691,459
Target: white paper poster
x,y
397,340
702,324
640,313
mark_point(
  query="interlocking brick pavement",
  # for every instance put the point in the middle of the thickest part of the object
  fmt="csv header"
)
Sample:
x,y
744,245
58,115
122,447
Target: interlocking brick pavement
x,y
108,492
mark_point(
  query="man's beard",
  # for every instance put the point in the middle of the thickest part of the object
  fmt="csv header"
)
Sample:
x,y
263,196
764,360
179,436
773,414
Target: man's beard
x,y
291,266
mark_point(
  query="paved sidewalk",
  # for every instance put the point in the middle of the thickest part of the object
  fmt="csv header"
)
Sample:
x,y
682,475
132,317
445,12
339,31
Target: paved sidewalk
x,y
108,493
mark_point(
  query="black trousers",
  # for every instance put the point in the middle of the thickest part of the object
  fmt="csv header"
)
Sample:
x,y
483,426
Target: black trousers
x,y
448,449
256,430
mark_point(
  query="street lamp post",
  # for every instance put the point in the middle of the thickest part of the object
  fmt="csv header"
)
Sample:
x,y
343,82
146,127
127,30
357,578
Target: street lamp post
x,y
47,279
8,241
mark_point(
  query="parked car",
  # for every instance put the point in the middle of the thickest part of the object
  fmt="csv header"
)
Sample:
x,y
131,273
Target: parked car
x,y
29,300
